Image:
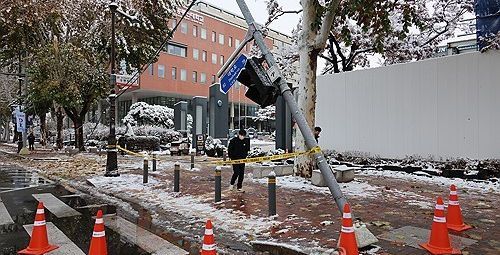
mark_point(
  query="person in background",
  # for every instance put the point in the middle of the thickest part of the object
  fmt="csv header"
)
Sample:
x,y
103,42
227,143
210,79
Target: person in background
x,y
31,141
238,149
317,131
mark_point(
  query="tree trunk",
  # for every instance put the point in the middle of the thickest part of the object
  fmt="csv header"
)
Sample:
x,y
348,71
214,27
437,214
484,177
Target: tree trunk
x,y
308,58
43,129
78,125
59,124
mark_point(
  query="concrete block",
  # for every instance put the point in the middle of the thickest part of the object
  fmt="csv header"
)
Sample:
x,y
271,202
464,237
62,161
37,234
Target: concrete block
x,y
364,237
264,171
317,178
344,173
287,169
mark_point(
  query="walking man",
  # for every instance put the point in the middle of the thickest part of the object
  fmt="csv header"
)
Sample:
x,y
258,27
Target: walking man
x,y
31,141
238,149
317,131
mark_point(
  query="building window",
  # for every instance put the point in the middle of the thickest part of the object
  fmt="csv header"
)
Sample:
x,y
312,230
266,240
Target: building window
x,y
195,31
183,74
213,79
151,69
161,71
195,76
203,77
204,56
184,27
177,50
237,43
203,33
195,54
214,36
214,58
174,23
221,60
230,41
174,73
221,39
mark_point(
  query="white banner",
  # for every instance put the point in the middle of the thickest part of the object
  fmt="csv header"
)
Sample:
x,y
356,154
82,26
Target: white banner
x,y
21,121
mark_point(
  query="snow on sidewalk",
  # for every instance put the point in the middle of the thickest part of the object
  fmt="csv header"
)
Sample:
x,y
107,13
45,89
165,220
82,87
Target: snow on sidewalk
x,y
478,186
152,195
354,188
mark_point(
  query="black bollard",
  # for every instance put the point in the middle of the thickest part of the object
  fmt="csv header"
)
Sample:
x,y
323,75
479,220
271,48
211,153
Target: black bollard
x,y
192,160
218,184
154,162
271,182
145,173
177,176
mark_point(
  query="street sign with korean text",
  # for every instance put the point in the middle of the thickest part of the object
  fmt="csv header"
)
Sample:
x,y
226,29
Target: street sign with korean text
x,y
20,119
229,78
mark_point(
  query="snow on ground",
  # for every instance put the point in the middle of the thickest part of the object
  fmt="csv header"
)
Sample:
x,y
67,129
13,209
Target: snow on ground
x,y
479,186
354,188
151,195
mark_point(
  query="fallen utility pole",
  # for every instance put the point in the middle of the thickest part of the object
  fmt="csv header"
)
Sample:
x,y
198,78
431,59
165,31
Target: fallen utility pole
x,y
286,92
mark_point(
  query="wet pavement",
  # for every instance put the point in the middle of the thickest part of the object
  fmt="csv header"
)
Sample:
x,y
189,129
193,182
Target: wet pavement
x,y
18,186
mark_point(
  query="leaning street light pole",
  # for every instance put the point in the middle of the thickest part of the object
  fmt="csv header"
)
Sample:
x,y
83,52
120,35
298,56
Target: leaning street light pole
x,y
324,167
112,161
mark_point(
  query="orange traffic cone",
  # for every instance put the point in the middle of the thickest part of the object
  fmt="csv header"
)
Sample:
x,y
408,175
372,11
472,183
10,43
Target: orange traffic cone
x,y
439,241
208,247
347,239
98,242
454,219
39,243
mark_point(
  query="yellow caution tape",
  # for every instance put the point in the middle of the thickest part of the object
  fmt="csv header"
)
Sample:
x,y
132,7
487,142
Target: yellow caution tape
x,y
133,153
316,149
264,158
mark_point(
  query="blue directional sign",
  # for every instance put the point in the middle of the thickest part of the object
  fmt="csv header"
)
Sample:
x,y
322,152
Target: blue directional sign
x,y
232,74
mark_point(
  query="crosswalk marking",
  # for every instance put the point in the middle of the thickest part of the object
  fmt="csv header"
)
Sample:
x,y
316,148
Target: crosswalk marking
x,y
5,218
144,239
57,237
56,206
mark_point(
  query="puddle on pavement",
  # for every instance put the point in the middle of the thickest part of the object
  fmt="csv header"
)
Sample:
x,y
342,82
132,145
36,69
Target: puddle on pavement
x,y
21,206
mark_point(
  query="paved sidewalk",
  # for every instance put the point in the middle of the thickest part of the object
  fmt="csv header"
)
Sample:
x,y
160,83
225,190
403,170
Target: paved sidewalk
x,y
308,218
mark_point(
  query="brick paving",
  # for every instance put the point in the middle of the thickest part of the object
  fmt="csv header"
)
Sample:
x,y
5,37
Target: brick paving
x,y
311,218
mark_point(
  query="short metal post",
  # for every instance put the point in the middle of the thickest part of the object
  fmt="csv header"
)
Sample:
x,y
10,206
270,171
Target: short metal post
x,y
192,160
218,184
271,184
177,176
224,155
145,173
154,162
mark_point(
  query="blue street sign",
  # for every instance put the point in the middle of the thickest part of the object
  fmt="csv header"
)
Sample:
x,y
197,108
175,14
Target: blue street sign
x,y
232,74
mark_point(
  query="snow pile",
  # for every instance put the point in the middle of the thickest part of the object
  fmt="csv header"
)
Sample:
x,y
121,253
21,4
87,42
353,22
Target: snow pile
x,y
143,113
479,186
151,196
265,114
354,188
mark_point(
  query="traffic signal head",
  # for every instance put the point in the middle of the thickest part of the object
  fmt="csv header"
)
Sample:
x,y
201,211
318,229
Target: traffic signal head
x,y
260,88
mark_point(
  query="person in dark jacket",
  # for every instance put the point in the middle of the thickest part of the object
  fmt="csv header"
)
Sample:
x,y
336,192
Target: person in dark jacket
x,y
31,141
317,131
238,149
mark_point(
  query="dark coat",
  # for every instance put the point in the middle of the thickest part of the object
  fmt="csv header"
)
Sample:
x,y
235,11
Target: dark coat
x,y
238,149
31,138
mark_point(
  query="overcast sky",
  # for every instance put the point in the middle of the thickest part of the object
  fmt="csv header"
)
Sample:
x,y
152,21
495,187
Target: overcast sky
x,y
284,24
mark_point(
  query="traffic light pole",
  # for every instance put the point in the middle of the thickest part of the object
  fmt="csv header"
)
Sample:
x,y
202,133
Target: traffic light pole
x,y
286,92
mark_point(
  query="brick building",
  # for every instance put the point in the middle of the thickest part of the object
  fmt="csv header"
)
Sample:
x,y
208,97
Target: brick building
x,y
189,64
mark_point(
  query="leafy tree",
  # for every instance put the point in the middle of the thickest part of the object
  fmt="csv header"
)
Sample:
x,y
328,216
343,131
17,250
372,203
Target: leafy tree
x,y
345,32
73,37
